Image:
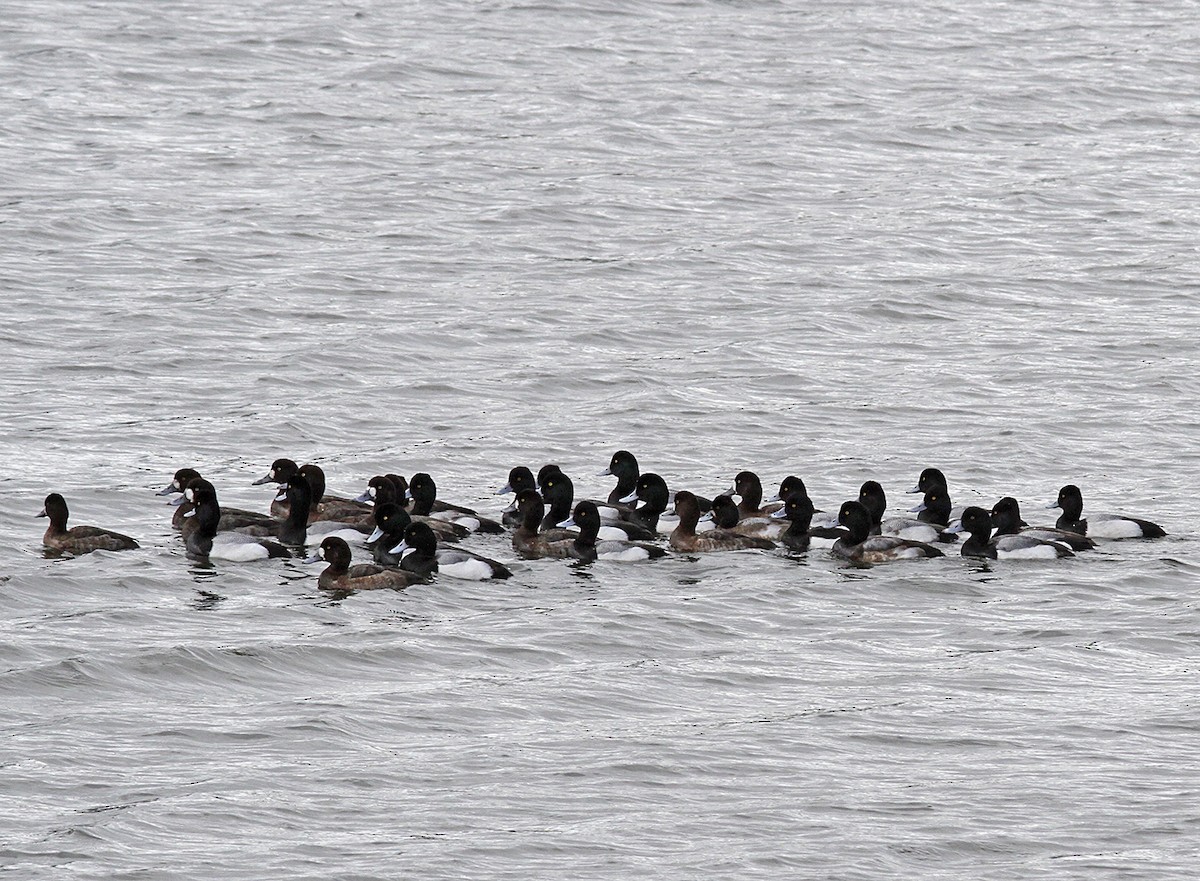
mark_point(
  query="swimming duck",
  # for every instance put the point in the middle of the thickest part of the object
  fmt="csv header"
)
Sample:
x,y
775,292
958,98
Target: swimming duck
x,y
685,539
558,493
652,492
419,553
797,511
1006,520
726,514
748,488
1070,499
531,541
385,489
978,523
340,575
296,495
520,478
78,539
204,540
859,546
231,518
586,518
874,499
624,466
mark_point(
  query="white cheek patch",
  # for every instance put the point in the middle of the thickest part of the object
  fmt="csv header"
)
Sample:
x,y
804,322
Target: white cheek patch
x,y
189,495
271,474
371,491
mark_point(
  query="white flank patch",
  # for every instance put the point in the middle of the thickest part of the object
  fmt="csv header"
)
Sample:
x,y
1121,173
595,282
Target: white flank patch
x,y
631,554
470,570
1113,527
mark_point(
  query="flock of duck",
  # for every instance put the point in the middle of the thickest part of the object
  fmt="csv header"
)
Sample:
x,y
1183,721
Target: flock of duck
x,y
413,534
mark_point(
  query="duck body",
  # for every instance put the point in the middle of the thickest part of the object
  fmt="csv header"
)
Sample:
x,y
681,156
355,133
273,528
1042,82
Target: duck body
x,y
980,543
1006,520
873,498
1110,526
684,537
558,493
859,546
586,517
342,576
78,539
420,553
532,542
797,513
205,539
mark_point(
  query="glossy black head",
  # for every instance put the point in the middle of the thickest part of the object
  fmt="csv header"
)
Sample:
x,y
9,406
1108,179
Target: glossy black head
x,y
652,491
421,539
1005,516
874,499
1070,499
180,481
381,491
424,492
725,512
798,508
519,480
392,520
587,517
281,470
622,463
749,487
544,472
977,522
854,516
931,479
400,484
935,508
791,484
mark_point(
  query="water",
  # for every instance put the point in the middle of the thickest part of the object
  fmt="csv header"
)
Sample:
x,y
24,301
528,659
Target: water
x,y
839,240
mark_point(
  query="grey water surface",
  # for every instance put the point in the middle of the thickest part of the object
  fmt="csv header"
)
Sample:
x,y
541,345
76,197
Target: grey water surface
x,y
844,240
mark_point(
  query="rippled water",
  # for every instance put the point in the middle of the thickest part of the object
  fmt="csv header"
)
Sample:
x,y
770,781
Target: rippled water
x,y
834,239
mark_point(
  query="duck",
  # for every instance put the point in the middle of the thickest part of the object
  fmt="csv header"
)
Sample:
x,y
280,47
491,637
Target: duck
x,y
423,491
859,546
1113,526
246,522
929,480
340,575
280,472
874,499
231,517
419,553
385,489
797,512
978,523
558,492
787,486
726,514
520,478
748,488
1006,520
204,539
532,542
624,466
586,518
296,495
249,522
652,492
685,539
78,539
